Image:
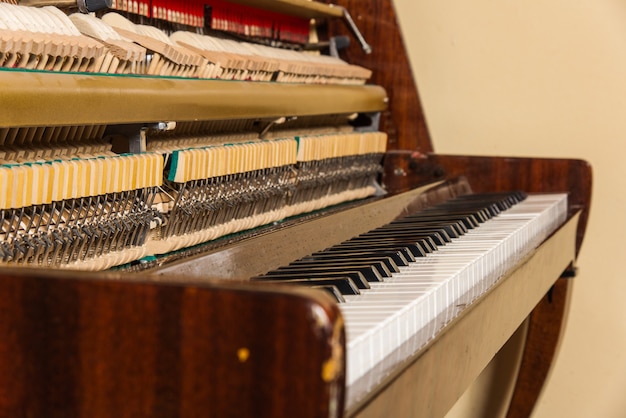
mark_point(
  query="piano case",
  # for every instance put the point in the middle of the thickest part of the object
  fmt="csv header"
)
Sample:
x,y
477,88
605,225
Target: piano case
x,y
176,344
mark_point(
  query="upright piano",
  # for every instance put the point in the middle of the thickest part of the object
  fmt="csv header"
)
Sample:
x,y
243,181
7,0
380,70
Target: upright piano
x,y
169,207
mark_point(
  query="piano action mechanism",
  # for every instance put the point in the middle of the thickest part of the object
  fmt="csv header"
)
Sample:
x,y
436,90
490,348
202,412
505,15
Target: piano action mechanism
x,y
174,327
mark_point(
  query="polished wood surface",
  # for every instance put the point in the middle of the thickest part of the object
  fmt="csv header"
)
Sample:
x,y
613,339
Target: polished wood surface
x,y
78,345
33,98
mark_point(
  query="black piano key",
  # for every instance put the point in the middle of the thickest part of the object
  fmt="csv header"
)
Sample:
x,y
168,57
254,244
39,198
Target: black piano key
x,y
503,199
461,207
356,276
494,203
432,222
379,266
332,291
469,220
452,228
428,242
369,273
344,285
460,204
397,256
479,211
406,252
414,248
388,262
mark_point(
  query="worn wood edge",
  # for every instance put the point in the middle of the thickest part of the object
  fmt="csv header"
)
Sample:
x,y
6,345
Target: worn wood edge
x,y
28,331
108,99
430,383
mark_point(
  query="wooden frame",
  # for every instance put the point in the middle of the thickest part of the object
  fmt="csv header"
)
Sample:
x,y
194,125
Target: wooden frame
x,y
96,345
31,98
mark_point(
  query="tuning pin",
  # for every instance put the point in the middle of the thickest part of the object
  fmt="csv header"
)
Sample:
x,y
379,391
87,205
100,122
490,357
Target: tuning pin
x,y
88,6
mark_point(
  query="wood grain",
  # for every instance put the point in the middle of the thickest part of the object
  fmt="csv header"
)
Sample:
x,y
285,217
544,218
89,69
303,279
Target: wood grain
x,y
101,347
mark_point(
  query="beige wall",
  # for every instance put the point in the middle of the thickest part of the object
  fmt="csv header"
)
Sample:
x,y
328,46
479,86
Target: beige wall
x,y
543,78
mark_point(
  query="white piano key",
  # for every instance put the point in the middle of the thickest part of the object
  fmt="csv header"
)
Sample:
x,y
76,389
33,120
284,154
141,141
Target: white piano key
x,y
395,318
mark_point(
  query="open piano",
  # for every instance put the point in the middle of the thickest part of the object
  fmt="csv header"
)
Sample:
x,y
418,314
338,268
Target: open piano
x,y
181,321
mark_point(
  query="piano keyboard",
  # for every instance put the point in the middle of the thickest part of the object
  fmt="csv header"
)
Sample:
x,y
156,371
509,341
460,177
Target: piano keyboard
x,y
436,263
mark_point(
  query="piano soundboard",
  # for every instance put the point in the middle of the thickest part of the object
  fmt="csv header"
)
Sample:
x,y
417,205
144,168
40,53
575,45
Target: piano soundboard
x,y
221,208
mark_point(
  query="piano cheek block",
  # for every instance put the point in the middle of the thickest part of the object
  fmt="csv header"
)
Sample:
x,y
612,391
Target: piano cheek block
x,y
77,347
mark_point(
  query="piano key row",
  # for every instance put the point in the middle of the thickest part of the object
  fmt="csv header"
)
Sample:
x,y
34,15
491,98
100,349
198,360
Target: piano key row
x,y
388,318
399,242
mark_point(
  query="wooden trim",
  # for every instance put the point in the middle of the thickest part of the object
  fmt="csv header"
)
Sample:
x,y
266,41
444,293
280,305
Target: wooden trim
x,y
30,98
